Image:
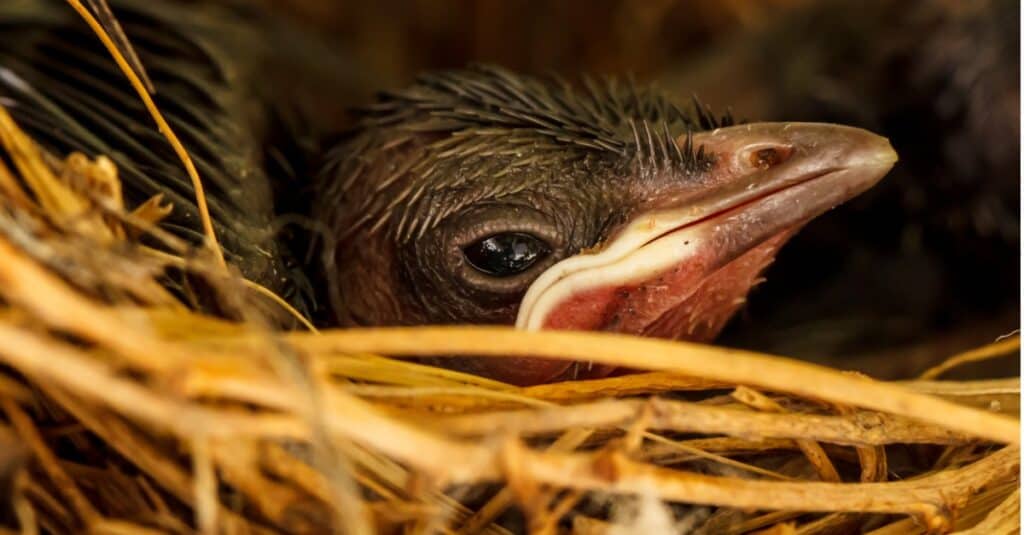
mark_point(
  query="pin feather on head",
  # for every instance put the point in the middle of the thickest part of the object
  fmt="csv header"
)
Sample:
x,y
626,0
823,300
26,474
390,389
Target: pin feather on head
x,y
477,128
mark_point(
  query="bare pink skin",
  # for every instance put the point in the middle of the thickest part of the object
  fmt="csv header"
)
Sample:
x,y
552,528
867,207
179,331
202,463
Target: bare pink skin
x,y
700,316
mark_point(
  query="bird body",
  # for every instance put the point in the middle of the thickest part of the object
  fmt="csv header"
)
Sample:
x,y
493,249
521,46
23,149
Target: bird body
x,y
62,86
470,196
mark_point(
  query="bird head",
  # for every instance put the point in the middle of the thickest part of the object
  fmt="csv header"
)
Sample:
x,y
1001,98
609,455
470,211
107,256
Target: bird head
x,y
482,196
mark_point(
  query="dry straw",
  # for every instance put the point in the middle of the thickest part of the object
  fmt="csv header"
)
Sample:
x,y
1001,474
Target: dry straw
x,y
126,412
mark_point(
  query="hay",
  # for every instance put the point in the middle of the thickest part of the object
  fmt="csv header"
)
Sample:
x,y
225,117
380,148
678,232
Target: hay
x,y
127,412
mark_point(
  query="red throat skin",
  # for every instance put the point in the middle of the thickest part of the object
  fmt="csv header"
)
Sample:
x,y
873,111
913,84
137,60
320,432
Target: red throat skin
x,y
677,305
680,304
701,316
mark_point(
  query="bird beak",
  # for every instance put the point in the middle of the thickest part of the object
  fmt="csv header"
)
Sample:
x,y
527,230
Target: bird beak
x,y
683,266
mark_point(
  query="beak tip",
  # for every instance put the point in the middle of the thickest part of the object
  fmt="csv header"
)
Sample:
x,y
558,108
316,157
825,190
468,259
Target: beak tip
x,y
864,149
880,153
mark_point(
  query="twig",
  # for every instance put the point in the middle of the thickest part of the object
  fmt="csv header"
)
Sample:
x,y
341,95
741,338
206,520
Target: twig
x,y
1004,519
42,293
204,483
238,465
831,523
669,453
14,390
279,301
697,453
504,498
769,372
23,510
625,385
50,464
450,398
998,395
992,350
860,428
812,450
165,128
49,361
54,196
12,192
874,462
761,521
120,527
139,450
931,497
109,21
192,265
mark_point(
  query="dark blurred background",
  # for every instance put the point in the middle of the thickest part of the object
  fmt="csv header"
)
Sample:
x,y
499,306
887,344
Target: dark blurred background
x,y
924,265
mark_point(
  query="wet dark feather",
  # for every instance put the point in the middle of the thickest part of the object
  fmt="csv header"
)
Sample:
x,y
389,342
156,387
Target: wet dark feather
x,y
486,122
63,86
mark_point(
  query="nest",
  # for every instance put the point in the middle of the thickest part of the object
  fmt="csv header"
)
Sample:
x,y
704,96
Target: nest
x,y
126,410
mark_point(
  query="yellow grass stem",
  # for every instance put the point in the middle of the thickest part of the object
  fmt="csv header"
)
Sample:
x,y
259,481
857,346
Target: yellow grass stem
x,y
720,364
165,128
995,349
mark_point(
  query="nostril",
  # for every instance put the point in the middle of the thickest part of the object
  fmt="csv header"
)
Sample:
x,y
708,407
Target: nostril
x,y
770,156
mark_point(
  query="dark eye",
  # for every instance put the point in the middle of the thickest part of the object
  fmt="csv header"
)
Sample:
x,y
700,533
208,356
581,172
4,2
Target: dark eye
x,y
503,255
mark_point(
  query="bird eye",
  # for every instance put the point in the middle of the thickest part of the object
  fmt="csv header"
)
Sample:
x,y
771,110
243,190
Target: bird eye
x,y
506,254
